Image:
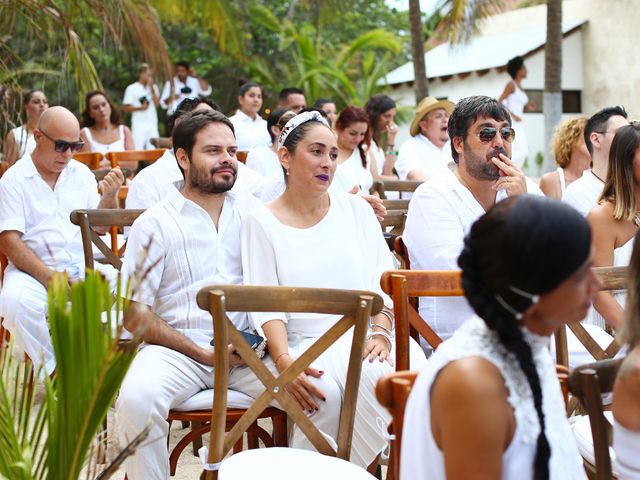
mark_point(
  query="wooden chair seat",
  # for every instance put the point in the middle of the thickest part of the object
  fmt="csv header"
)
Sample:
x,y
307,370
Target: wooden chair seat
x,y
401,186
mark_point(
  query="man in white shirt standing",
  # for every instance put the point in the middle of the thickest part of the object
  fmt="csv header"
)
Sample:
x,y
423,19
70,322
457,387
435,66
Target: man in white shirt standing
x,y
443,208
141,99
37,194
192,239
185,84
599,131
428,152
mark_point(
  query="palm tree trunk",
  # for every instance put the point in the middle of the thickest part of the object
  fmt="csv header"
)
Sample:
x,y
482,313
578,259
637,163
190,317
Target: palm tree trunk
x,y
552,98
420,84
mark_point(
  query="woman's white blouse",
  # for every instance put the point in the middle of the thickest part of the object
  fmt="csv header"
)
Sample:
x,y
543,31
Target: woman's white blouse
x,y
345,249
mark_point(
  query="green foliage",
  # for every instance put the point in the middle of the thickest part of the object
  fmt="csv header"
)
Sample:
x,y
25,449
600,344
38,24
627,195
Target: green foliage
x,y
53,441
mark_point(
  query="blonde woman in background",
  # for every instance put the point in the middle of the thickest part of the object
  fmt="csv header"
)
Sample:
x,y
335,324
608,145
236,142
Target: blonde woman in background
x,y
571,155
20,140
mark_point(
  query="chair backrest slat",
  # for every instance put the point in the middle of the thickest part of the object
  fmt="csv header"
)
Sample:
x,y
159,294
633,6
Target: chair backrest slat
x,y
382,187
134,156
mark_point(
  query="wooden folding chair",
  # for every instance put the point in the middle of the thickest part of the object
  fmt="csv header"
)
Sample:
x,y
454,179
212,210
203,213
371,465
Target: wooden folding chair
x,y
90,159
402,285
588,383
400,249
241,155
392,391
356,307
382,187
393,226
611,278
396,204
130,158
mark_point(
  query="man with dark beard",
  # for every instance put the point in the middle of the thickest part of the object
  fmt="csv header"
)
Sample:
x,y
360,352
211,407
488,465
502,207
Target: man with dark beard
x,y
188,240
443,208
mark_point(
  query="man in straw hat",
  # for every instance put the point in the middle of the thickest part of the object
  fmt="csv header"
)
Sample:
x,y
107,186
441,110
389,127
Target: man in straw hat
x,y
428,152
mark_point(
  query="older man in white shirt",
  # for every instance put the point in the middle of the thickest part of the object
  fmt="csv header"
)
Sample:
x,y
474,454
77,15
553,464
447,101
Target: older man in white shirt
x,y
194,236
428,151
37,195
443,208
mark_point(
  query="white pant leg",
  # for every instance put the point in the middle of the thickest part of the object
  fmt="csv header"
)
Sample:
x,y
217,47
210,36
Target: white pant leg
x,y
23,306
142,133
158,379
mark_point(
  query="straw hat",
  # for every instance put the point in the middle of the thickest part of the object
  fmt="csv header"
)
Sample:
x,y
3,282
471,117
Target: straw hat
x,y
428,104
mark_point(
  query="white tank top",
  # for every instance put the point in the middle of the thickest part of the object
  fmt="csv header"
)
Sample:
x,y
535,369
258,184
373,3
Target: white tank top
x,y
563,184
25,141
117,146
422,459
516,102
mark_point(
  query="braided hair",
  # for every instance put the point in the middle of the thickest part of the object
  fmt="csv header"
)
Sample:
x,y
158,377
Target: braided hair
x,y
522,248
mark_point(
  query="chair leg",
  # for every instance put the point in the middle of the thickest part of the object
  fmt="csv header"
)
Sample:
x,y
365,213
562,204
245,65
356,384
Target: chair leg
x,y
197,442
280,431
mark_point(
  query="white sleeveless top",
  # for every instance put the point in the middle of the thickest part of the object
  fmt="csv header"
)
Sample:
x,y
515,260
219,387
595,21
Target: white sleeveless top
x,y
356,172
422,459
563,183
626,444
25,141
516,102
621,258
117,146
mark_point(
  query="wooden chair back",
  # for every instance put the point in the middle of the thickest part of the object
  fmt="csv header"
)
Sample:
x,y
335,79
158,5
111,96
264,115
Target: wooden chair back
x,y
382,187
588,383
394,219
241,155
87,219
401,285
611,278
134,156
356,307
400,249
90,159
396,204
392,391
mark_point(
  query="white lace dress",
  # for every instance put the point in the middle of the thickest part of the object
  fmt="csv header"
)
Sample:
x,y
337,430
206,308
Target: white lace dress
x,y
422,459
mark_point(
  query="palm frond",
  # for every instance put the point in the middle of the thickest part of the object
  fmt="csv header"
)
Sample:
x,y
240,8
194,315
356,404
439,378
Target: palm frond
x,y
461,18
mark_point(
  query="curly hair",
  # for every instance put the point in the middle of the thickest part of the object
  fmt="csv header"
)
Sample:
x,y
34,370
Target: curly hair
x,y
565,137
523,245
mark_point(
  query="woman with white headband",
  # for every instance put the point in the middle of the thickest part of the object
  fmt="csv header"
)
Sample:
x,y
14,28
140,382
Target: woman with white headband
x,y
310,237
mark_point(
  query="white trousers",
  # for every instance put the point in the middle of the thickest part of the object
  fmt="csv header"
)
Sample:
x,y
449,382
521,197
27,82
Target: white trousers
x,y
160,379
23,306
142,133
371,418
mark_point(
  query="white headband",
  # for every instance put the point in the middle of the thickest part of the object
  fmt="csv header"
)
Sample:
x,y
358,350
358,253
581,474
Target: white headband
x,y
298,120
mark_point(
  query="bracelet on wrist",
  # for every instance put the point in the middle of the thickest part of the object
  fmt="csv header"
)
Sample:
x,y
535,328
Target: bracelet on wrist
x,y
279,357
391,152
384,335
384,329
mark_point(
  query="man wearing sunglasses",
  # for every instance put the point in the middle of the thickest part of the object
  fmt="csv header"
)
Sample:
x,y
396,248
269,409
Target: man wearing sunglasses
x,y
443,208
37,194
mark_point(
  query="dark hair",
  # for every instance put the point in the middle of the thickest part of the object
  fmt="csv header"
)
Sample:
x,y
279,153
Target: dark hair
x,y
523,246
87,121
350,115
376,106
184,136
468,110
285,92
598,123
245,87
619,187
273,120
514,65
188,105
26,96
320,102
183,63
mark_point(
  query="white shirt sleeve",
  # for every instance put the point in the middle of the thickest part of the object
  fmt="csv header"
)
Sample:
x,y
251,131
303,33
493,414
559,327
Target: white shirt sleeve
x,y
166,92
130,97
406,161
259,265
11,207
433,232
144,257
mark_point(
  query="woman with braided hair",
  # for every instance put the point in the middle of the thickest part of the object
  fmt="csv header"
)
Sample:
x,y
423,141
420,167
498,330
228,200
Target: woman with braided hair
x,y
489,404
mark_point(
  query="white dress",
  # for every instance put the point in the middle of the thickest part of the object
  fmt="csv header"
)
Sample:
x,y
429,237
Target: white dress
x,y
345,250
626,444
515,103
422,459
621,258
25,141
563,182
116,146
352,171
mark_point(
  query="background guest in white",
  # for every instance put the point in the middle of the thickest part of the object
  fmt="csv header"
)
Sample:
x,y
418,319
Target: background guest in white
x,y
251,128
141,99
20,140
185,84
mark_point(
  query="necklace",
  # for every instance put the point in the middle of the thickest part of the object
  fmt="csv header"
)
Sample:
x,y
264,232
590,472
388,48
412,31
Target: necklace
x,y
594,174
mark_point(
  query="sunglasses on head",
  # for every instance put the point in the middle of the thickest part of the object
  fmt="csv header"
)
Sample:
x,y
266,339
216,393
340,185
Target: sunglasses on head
x,y
487,134
61,146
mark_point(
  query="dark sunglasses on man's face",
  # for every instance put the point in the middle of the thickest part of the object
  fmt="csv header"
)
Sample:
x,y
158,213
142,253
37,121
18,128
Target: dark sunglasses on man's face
x,y
487,134
61,146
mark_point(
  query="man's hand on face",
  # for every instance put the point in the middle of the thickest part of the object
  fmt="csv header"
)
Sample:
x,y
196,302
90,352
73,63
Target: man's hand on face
x,y
512,180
